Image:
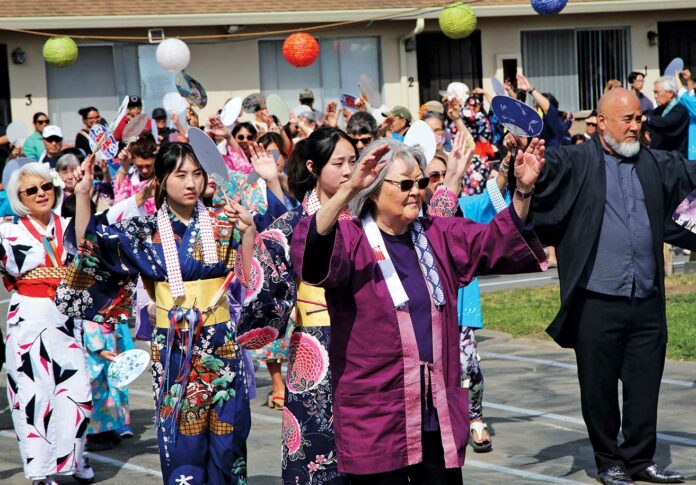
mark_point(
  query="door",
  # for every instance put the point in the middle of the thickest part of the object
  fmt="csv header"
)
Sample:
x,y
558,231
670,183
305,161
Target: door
x,y
442,60
677,39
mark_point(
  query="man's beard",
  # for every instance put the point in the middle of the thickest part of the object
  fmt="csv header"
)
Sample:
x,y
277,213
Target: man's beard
x,y
626,149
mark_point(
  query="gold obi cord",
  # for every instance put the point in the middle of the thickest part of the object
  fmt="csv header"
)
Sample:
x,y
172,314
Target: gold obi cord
x,y
311,306
203,295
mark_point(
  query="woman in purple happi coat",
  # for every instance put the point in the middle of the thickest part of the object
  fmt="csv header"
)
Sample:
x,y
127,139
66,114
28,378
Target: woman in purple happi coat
x,y
391,280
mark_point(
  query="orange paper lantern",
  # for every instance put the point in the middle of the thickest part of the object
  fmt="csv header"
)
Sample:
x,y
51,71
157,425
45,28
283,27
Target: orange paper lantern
x,y
300,49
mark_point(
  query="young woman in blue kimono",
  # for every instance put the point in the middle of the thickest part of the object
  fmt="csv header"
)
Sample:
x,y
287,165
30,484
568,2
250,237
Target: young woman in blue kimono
x,y
202,283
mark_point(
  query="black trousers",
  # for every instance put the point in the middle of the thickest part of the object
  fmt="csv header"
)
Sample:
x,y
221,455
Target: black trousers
x,y
620,338
430,471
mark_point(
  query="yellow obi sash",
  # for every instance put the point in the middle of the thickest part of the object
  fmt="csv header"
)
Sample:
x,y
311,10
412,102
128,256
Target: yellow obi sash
x,y
311,306
199,293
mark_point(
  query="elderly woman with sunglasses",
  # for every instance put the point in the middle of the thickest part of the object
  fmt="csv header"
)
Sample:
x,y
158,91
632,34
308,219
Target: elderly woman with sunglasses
x,y
391,280
47,381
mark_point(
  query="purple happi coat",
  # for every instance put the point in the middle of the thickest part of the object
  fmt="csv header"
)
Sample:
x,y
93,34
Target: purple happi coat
x,y
373,352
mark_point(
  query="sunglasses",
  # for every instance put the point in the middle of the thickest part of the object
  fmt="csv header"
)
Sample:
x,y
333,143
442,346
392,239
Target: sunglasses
x,y
406,185
53,139
435,175
591,124
365,140
42,122
33,190
247,138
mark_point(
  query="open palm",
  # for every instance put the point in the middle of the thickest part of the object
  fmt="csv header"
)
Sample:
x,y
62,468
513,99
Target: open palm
x,y
529,163
263,162
369,167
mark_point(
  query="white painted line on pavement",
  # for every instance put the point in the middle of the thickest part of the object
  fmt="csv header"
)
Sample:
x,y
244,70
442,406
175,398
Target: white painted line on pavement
x,y
567,419
564,365
521,280
103,459
518,473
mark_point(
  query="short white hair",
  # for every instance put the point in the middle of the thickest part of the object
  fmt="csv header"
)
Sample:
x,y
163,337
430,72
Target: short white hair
x,y
668,84
66,161
42,170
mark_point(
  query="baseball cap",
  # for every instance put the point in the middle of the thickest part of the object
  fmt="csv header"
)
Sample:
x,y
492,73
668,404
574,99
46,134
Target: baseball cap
x,y
306,94
159,113
52,130
435,107
134,101
399,112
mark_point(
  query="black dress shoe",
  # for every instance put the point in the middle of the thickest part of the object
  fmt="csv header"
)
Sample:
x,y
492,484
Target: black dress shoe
x,y
615,475
655,474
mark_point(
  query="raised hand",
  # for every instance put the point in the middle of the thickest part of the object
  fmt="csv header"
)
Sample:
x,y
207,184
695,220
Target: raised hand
x,y
367,170
218,128
523,83
331,116
458,160
454,109
263,162
239,216
84,175
528,164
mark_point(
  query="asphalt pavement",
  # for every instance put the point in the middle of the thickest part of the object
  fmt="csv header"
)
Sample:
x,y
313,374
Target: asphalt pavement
x,y
531,405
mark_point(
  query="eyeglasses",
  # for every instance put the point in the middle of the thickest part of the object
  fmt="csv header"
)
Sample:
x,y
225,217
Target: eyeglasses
x,y
406,185
365,140
161,118
42,122
591,124
435,176
247,138
33,190
53,139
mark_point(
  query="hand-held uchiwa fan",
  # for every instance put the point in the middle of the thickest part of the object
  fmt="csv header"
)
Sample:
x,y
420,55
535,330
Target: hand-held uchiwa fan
x,y
11,166
420,135
16,132
134,128
684,215
497,86
517,117
122,110
675,67
278,107
210,158
369,90
191,89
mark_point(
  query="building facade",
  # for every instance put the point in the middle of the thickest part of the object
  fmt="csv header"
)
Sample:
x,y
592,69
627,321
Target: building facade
x,y
397,44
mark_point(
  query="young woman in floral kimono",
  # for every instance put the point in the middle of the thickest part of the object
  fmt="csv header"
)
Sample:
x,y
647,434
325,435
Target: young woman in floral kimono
x,y
316,169
47,381
391,280
200,280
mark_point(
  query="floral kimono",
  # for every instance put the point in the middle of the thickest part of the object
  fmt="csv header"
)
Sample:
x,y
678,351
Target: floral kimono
x,y
309,450
202,414
47,381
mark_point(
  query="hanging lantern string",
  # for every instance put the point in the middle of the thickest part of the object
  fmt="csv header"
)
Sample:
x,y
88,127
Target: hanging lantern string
x,y
314,28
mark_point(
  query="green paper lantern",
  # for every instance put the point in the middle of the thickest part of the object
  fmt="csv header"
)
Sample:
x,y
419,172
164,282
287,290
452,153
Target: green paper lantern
x,y
60,51
457,21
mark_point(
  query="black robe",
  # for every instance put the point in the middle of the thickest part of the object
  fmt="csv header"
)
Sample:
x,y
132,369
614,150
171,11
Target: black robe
x,y
568,207
670,132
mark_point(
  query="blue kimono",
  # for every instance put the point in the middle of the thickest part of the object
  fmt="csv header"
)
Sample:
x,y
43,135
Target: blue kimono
x,y
203,417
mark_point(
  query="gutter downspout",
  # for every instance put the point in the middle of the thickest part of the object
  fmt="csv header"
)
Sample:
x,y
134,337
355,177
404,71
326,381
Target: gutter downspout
x,y
420,25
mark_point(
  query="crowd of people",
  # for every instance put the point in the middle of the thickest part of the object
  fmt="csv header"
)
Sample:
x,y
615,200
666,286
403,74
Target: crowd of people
x,y
348,255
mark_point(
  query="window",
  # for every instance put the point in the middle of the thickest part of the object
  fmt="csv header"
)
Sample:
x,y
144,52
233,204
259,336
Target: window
x,y
338,69
574,65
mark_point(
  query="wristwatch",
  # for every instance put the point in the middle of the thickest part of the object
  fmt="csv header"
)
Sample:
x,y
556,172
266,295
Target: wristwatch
x,y
524,195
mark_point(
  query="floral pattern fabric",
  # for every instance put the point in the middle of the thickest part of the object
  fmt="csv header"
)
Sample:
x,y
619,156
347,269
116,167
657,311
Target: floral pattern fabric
x,y
203,410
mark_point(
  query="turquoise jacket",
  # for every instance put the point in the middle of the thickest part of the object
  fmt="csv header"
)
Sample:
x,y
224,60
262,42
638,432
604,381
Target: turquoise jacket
x,y
478,208
689,102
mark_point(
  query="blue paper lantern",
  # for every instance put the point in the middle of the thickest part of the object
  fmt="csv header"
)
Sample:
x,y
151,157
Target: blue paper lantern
x,y
548,7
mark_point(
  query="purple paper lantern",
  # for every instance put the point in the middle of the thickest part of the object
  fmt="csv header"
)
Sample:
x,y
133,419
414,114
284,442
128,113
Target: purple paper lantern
x,y
548,7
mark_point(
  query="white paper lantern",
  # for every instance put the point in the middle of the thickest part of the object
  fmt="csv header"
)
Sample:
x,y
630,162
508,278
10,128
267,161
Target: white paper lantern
x,y
173,55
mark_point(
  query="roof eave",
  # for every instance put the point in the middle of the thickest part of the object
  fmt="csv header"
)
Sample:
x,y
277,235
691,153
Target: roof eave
x,y
267,18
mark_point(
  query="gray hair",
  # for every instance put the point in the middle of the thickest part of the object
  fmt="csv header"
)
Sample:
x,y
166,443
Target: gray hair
x,y
66,161
362,203
668,84
35,168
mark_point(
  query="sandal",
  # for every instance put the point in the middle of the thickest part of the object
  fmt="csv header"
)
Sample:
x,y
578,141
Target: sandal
x,y
483,446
